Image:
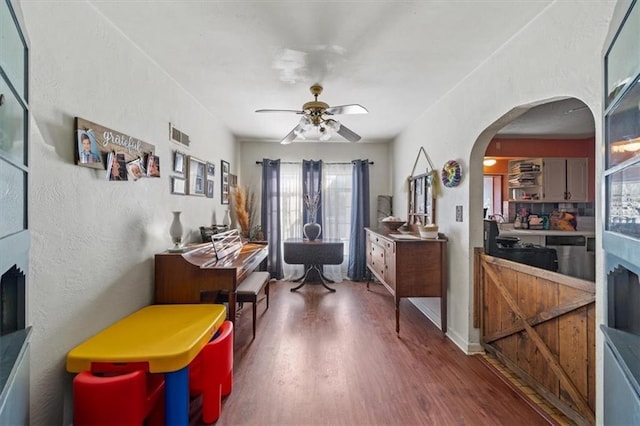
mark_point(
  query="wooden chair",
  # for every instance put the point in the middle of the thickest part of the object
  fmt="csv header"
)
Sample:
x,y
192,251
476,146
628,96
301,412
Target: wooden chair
x,y
122,399
211,373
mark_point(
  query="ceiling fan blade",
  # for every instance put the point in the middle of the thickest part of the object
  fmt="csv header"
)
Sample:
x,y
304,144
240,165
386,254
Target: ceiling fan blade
x,y
348,134
280,110
291,136
346,109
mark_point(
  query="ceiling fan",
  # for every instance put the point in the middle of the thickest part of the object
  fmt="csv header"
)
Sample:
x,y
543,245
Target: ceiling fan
x,y
318,114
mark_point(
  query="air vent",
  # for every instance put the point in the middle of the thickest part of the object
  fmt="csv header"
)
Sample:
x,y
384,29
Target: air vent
x,y
178,136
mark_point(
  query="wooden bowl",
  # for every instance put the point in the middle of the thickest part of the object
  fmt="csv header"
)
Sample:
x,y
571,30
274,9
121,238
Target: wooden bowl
x,y
392,225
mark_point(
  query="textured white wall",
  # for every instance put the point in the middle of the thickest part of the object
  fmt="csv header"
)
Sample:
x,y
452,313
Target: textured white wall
x,y
379,153
557,54
93,241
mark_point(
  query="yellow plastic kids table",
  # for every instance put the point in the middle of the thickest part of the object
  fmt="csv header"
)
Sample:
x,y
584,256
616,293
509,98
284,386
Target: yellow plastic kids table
x,y
163,338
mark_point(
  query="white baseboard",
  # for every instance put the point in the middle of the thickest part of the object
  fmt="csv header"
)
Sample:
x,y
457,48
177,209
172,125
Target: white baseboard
x,y
433,316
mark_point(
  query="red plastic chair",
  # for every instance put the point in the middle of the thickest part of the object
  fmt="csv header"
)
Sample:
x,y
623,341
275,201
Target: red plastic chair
x,y
122,399
211,373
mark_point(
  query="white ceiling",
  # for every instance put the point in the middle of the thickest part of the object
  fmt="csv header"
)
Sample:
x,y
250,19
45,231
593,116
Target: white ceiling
x,y
396,58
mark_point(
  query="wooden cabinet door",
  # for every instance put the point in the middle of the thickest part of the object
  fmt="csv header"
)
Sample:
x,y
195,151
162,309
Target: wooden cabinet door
x,y
577,176
554,179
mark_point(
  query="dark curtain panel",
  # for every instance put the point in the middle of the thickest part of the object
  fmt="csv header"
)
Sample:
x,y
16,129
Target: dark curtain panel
x,y
357,270
271,215
311,184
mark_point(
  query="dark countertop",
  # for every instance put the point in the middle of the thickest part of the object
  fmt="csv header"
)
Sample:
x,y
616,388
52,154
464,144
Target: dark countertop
x,y
405,236
507,230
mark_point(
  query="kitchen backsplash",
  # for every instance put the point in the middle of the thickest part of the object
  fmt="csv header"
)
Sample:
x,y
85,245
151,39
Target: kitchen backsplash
x,y
584,212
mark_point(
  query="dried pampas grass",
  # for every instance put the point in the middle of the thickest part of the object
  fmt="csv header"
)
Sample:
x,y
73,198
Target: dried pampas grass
x,y
242,211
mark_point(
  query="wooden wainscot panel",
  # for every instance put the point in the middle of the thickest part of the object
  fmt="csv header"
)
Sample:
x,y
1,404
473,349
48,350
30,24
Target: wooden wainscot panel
x,y
541,325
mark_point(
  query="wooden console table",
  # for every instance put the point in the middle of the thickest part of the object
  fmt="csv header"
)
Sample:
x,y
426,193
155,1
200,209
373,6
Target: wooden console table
x,y
409,266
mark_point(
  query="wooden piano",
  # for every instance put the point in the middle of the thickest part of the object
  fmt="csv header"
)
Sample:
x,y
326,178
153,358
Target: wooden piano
x,y
202,270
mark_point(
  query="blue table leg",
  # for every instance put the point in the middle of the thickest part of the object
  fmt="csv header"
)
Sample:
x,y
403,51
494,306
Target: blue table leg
x,y
176,392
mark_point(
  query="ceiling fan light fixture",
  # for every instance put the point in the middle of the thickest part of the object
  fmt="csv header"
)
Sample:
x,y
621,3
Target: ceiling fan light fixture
x,y
333,125
306,123
325,133
315,115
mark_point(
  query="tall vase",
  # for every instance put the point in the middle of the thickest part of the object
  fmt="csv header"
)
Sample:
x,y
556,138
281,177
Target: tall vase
x,y
227,219
176,230
311,230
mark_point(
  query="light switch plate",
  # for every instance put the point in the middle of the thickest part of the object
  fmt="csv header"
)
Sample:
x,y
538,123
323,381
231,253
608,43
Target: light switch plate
x,y
458,213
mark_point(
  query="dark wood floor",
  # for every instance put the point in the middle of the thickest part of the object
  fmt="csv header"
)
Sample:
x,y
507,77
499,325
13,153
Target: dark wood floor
x,y
323,358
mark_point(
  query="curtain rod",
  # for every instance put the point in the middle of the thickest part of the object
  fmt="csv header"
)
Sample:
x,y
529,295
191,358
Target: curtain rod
x,y
300,162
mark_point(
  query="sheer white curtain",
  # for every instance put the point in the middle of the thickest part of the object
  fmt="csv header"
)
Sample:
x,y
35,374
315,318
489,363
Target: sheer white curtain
x,y
336,202
291,210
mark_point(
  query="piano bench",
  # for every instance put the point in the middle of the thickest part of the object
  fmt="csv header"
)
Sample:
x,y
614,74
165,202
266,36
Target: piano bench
x,y
250,288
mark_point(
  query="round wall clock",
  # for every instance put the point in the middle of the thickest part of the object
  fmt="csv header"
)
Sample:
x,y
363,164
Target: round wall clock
x,y
451,174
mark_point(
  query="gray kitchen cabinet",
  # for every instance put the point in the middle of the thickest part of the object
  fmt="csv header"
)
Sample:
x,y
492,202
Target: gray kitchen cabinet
x,y
565,179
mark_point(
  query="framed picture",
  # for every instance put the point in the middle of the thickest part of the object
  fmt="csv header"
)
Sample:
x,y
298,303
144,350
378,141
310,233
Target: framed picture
x,y
211,169
197,177
178,162
178,185
224,182
209,188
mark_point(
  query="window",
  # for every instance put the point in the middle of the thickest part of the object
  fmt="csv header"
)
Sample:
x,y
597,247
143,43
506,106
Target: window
x,y
336,211
291,210
492,195
336,205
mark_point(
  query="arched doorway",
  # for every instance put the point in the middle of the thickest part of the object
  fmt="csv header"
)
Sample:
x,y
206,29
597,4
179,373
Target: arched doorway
x,y
557,131
510,286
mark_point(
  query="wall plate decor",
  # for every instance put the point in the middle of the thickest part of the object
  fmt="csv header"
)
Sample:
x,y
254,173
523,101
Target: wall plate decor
x,y
451,174
197,178
224,182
